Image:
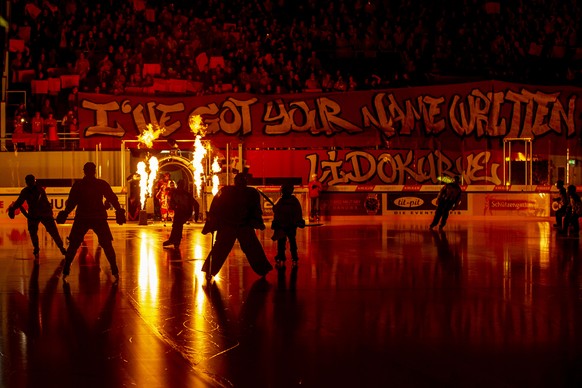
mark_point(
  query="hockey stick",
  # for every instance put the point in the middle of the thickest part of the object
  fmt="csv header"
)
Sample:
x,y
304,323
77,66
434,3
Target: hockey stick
x,y
209,273
266,197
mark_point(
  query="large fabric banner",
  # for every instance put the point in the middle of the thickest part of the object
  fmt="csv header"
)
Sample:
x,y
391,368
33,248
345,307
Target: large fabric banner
x,y
378,167
471,116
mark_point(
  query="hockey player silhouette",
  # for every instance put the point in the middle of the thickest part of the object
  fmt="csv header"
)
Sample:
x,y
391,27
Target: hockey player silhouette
x,y
235,213
39,211
288,216
315,187
182,203
448,198
87,196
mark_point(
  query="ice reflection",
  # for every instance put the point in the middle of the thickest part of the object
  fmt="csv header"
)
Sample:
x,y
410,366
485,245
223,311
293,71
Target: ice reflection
x,y
197,252
148,277
369,296
544,233
199,279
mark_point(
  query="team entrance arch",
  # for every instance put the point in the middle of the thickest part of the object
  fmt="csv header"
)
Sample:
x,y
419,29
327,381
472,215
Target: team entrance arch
x,y
178,167
176,163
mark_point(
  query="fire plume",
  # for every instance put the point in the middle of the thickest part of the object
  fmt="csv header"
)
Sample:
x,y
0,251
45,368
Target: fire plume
x,y
196,126
199,154
146,179
143,183
215,180
153,163
148,136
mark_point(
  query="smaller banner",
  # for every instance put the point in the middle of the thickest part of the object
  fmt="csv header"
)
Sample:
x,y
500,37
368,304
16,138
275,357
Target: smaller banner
x,y
350,204
419,203
511,204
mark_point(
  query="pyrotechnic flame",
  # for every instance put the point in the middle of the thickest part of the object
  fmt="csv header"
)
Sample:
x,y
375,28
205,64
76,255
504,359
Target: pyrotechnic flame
x,y
143,183
215,180
199,130
153,162
148,136
199,153
196,125
146,179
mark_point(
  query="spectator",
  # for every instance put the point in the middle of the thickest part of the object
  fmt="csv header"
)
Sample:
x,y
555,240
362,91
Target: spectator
x,y
562,201
573,213
327,84
409,46
120,56
37,123
352,84
312,84
51,131
82,66
315,188
73,98
118,82
18,125
17,63
68,122
47,108
74,126
294,83
339,84
104,68
21,113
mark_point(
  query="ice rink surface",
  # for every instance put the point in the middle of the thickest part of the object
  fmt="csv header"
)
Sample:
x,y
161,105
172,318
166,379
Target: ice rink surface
x,y
374,302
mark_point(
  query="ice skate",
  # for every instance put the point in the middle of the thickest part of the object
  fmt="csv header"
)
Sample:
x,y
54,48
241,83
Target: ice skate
x,y
66,271
167,244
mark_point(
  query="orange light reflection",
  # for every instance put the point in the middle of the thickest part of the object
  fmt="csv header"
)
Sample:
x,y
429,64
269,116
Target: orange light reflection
x,y
148,279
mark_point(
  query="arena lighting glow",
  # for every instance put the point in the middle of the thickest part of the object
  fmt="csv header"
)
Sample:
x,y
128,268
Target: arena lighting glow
x,y
446,179
215,180
198,129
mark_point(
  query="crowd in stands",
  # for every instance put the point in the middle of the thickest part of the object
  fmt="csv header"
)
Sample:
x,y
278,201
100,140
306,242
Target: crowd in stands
x,y
291,46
